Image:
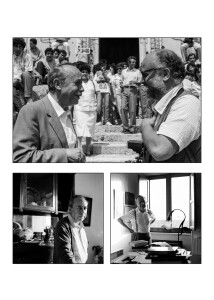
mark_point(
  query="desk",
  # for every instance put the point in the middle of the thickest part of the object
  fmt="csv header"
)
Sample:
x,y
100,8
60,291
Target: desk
x,y
143,257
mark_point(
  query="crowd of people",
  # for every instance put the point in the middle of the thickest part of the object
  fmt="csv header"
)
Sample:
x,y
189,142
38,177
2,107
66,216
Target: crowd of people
x,y
109,93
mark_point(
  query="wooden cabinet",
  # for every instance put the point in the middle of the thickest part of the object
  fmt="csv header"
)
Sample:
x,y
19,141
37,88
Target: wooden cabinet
x,y
39,192
42,193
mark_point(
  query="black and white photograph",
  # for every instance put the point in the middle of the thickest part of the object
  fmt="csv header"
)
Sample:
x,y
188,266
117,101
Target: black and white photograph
x,y
107,100
106,171
163,225
58,218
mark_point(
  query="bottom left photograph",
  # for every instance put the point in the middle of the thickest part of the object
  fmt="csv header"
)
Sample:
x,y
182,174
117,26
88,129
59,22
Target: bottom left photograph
x,y
58,218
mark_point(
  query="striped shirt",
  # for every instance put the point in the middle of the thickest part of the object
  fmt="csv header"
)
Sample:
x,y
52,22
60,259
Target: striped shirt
x,y
183,123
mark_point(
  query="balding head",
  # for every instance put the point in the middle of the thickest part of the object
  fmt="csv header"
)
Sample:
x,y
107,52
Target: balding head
x,y
60,73
78,208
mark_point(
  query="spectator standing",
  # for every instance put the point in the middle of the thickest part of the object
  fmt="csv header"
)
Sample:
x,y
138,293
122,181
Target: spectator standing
x,y
117,83
103,104
131,80
85,111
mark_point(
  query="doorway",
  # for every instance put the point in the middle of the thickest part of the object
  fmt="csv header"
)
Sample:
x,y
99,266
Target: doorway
x,y
117,50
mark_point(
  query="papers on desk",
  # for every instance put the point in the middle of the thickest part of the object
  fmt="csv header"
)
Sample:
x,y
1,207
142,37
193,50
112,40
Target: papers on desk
x,y
139,257
139,243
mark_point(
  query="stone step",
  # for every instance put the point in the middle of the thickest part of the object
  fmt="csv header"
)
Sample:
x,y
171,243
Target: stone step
x,y
111,148
116,137
110,158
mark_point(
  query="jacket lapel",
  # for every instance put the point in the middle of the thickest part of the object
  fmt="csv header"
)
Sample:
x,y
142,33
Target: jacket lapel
x,y
55,122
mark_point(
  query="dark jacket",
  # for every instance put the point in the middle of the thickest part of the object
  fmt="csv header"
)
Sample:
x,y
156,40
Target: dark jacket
x,y
63,253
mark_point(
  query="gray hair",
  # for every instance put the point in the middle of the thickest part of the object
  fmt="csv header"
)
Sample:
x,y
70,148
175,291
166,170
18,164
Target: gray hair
x,y
58,73
172,61
72,200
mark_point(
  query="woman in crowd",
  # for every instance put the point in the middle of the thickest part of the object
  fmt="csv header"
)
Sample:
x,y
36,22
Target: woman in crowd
x,y
46,64
116,83
192,81
103,81
85,112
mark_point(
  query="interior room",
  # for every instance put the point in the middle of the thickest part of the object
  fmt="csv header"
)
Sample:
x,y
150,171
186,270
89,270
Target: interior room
x,y
175,201
40,200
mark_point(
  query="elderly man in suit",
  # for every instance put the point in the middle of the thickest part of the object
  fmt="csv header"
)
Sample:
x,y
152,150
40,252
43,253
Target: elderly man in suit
x,y
70,241
44,130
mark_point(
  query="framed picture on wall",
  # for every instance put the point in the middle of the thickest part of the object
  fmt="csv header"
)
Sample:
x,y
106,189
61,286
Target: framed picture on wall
x,y
87,221
129,199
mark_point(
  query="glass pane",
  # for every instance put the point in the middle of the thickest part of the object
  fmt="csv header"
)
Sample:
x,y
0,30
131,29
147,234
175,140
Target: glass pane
x,y
158,201
143,188
180,200
39,191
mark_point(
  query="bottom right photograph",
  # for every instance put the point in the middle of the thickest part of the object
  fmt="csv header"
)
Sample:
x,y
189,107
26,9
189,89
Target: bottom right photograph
x,y
156,218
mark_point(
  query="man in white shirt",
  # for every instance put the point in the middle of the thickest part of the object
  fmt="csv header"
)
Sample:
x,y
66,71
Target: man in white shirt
x,y
173,133
44,130
138,220
70,241
131,78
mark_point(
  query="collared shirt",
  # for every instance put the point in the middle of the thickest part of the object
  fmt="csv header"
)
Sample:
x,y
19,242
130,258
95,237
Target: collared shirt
x,y
66,121
79,242
36,54
131,75
22,63
142,220
183,123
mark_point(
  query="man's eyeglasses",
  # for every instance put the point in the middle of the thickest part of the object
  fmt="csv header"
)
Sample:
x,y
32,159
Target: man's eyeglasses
x,y
146,73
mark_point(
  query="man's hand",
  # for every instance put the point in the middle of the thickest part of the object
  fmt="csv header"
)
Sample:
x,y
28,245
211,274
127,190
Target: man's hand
x,y
75,155
147,122
131,230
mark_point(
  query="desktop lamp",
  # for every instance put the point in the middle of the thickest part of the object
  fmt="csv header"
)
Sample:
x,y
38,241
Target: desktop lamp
x,y
169,219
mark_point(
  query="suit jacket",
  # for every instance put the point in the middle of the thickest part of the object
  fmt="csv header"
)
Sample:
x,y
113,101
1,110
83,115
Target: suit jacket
x,y
38,134
63,243
63,248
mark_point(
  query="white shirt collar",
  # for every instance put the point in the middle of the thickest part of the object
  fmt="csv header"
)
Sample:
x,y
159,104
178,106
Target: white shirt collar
x,y
164,101
74,225
59,110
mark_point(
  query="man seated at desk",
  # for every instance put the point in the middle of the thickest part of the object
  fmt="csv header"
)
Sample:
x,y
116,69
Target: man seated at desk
x,y
140,220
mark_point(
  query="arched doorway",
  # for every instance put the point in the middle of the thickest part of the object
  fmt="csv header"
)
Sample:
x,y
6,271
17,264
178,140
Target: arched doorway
x,y
117,50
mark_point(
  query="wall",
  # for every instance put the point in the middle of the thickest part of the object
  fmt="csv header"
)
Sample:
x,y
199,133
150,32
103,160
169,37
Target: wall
x,y
91,185
120,237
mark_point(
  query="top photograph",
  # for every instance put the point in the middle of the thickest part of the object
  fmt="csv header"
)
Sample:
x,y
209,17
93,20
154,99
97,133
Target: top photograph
x,y
106,100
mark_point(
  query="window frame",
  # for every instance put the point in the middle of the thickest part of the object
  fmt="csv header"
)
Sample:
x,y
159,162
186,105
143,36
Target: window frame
x,y
168,178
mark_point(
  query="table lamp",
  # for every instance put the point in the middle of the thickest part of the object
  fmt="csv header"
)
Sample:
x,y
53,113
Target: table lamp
x,y
169,219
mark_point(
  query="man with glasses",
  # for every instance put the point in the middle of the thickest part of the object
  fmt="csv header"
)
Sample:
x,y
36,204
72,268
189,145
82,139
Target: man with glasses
x,y
173,133
44,130
131,80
